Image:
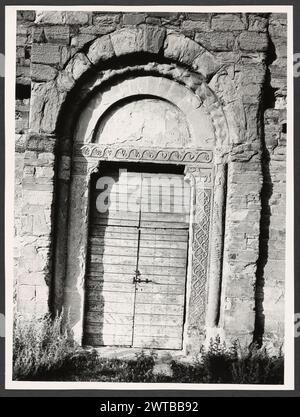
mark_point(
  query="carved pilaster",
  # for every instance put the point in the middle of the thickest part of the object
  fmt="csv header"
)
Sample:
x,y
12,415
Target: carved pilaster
x,y
77,243
201,181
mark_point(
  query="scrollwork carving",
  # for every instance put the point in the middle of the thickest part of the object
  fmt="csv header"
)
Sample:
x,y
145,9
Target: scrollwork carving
x,y
144,154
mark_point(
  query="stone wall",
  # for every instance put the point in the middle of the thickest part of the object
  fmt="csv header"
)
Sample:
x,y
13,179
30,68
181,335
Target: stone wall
x,y
243,60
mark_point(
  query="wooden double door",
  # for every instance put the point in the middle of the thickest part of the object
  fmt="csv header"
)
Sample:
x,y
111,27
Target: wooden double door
x,y
138,247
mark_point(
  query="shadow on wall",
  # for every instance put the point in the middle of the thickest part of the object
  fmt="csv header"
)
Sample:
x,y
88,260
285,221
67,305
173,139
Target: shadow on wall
x,y
266,194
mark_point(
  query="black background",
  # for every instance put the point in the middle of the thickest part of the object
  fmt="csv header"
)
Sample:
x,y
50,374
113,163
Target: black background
x,y
104,394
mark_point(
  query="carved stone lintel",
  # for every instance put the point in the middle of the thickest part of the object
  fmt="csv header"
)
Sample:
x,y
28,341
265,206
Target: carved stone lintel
x,y
113,153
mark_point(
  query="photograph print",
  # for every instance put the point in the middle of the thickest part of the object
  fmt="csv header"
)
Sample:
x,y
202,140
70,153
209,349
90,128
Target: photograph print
x,y
149,196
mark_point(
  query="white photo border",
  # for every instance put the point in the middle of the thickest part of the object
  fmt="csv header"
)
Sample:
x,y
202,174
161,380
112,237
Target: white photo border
x,y
10,75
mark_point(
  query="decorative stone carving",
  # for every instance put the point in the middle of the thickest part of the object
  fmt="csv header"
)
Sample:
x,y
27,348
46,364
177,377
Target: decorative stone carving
x,y
200,250
144,154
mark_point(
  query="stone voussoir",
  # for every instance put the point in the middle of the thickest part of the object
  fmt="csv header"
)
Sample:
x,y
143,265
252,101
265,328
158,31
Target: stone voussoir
x,y
101,50
78,65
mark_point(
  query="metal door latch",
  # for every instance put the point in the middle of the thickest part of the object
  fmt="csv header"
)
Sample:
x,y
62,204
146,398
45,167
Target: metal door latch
x,y
143,280
137,278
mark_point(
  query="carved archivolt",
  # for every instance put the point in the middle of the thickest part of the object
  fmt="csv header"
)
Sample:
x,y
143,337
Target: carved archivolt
x,y
194,82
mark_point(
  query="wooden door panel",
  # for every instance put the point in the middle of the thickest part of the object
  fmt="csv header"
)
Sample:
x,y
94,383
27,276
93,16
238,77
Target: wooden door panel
x,y
148,261
146,226
110,286
117,308
153,329
109,317
159,319
144,297
154,287
162,309
114,260
110,291
158,342
107,340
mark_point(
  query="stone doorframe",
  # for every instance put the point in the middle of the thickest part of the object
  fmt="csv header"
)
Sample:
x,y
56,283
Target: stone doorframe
x,y
55,106
206,231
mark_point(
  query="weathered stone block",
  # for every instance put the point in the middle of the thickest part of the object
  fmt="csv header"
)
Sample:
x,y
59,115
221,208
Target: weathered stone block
x,y
254,41
216,41
133,18
101,50
79,41
65,81
164,15
98,29
106,18
46,54
125,42
26,292
57,34
77,18
203,17
40,72
201,25
153,20
250,74
45,106
20,52
41,143
280,44
27,15
207,64
229,22
22,71
181,48
240,316
151,37
51,110
145,38
250,93
50,17
22,121
78,65
278,25
257,23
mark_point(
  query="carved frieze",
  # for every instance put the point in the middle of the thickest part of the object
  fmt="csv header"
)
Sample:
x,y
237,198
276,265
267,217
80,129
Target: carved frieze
x,y
171,155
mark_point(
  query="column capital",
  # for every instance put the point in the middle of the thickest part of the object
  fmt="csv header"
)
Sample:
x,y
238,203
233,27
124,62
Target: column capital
x,y
199,175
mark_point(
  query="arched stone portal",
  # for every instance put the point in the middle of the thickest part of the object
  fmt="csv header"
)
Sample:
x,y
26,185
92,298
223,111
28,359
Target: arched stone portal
x,y
74,113
145,119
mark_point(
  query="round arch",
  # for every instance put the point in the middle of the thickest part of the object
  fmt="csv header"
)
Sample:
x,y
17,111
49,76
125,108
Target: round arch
x,y
86,83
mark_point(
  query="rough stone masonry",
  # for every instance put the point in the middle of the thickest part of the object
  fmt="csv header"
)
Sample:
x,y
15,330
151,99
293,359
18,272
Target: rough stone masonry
x,y
234,63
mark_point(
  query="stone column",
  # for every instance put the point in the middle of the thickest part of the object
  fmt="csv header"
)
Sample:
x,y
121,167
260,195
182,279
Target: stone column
x,y
201,180
241,246
77,243
216,250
